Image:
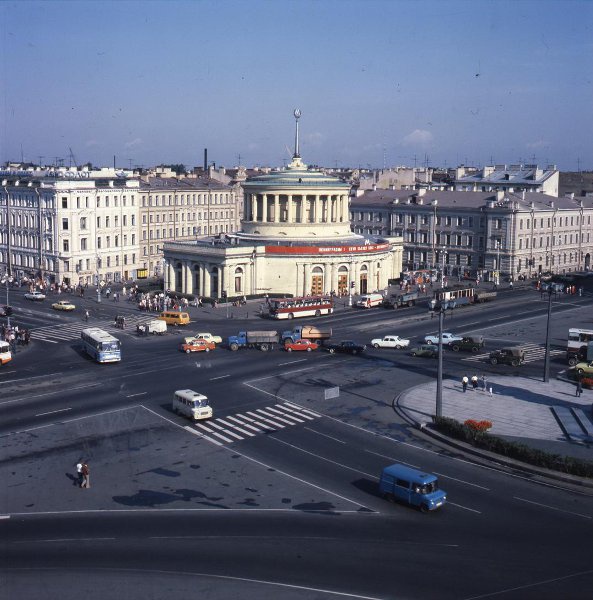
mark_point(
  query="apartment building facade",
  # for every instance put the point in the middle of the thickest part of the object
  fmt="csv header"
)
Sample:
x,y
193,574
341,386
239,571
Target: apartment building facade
x,y
76,226
481,233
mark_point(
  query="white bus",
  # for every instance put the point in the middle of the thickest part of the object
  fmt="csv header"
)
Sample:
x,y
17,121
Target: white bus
x,y
100,345
5,354
579,341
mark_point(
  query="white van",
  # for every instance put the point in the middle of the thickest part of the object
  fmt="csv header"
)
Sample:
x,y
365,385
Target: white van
x,y
370,300
191,404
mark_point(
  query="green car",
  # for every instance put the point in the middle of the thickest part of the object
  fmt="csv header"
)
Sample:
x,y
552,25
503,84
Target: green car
x,y
429,350
584,368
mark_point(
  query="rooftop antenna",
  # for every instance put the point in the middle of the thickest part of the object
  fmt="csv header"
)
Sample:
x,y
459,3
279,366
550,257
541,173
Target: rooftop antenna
x,y
297,116
72,158
239,159
130,159
41,159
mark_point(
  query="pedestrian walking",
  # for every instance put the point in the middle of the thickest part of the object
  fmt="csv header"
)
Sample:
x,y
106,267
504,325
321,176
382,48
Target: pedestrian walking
x,y
79,472
484,382
86,315
85,476
579,389
464,383
475,382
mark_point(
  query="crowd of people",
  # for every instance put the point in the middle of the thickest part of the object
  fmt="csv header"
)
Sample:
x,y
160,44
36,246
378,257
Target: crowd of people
x,y
16,336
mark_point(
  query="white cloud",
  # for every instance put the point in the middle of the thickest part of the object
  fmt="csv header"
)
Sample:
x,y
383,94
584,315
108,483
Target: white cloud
x,y
418,137
314,139
133,143
538,144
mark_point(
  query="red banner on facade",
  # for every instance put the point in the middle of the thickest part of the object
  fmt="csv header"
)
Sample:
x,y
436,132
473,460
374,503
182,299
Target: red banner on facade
x,y
354,249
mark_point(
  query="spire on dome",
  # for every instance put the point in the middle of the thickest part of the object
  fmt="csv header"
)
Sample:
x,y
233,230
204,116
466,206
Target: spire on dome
x,y
297,116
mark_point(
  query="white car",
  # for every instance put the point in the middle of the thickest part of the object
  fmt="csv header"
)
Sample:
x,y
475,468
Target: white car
x,y
390,341
34,296
208,336
447,338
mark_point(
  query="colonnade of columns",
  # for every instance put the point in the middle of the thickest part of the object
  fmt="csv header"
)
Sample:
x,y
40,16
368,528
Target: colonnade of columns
x,y
304,208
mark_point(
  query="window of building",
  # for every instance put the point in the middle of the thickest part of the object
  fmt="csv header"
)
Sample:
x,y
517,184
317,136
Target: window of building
x,y
108,242
65,224
83,222
98,222
109,261
98,242
458,240
83,244
64,202
66,245
106,221
133,220
116,223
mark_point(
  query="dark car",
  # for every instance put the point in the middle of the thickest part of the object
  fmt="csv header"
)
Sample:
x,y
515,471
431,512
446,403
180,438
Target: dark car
x,y
508,356
470,343
428,350
347,347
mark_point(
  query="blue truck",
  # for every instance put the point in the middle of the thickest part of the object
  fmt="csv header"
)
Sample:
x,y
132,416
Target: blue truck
x,y
262,340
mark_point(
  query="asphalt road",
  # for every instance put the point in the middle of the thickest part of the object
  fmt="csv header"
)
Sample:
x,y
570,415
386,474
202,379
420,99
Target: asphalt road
x,y
287,506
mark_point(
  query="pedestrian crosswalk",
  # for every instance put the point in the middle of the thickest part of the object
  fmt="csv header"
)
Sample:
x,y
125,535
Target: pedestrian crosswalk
x,y
533,352
66,332
248,424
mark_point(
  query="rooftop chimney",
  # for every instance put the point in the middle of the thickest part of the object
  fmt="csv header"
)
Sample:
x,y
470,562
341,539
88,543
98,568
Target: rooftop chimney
x,y
205,160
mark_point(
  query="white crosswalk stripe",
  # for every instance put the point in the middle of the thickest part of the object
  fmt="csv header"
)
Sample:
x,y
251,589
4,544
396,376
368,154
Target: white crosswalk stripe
x,y
249,424
65,332
533,352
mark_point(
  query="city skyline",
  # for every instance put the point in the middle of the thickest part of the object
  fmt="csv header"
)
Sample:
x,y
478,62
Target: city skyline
x,y
378,83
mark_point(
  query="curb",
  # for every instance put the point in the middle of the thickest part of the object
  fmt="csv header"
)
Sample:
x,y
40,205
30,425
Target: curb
x,y
485,454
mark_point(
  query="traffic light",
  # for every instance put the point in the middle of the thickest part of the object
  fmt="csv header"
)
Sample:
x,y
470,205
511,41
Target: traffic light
x,y
223,293
352,284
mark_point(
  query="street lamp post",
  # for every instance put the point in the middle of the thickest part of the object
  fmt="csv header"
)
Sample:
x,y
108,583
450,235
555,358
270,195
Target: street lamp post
x,y
547,357
443,253
97,262
497,279
6,280
443,306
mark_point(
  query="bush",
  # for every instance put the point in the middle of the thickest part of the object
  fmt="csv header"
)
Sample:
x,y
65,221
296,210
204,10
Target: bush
x,y
480,439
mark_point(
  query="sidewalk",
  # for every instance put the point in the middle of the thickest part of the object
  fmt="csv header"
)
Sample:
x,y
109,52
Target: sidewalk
x,y
520,410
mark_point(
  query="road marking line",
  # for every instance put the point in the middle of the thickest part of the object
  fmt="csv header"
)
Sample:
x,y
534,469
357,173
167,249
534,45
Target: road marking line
x,y
244,424
325,435
274,424
34,377
220,377
292,362
212,432
273,417
258,423
244,431
138,394
464,507
303,409
461,481
52,412
552,508
217,426
284,414
280,374
292,413
201,435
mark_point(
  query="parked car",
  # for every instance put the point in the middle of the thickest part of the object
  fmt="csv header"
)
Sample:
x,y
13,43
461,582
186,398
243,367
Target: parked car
x,y
197,346
347,347
447,338
584,368
63,305
301,345
34,296
427,350
508,356
390,341
471,343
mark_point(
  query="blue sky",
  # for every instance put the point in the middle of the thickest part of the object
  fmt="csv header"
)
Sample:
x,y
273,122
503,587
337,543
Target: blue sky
x,y
376,81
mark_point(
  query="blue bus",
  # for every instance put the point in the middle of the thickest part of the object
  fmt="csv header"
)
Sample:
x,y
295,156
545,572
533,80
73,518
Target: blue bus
x,y
100,345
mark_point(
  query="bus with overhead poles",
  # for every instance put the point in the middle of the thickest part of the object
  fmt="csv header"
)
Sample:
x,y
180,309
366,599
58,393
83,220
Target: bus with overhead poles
x,y
293,308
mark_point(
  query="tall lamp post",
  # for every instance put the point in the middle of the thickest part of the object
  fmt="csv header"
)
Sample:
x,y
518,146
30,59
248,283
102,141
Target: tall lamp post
x,y
6,280
442,307
547,358
98,264
443,252
497,277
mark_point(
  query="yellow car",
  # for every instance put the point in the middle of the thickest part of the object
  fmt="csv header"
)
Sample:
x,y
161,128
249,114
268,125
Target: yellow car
x,y
63,305
584,368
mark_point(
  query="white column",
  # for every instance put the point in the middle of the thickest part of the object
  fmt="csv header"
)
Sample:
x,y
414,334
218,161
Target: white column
x,y
253,203
276,208
289,208
264,207
307,280
317,218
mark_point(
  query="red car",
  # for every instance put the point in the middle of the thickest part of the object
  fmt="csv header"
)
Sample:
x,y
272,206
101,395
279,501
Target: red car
x,y
197,346
307,345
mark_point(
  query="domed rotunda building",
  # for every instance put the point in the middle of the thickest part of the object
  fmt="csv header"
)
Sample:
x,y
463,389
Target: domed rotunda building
x,y
295,240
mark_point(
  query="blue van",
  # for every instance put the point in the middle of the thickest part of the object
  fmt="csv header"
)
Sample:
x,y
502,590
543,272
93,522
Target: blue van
x,y
399,482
